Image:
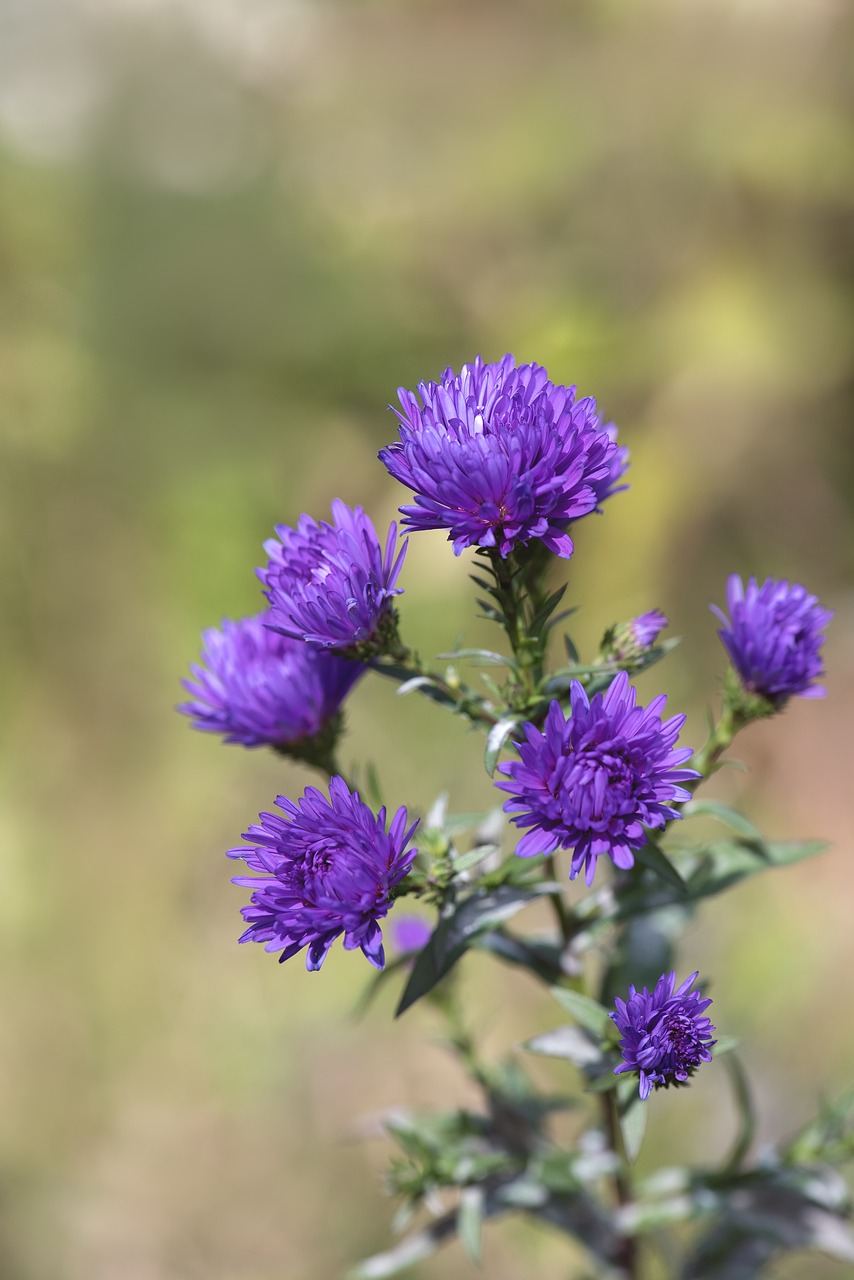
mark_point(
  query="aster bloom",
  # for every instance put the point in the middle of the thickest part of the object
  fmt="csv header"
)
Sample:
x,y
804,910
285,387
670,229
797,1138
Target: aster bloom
x,y
629,641
498,455
774,637
665,1035
259,688
592,782
326,869
332,584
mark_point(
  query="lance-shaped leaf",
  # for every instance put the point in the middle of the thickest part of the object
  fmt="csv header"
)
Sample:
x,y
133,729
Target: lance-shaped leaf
x,y
470,1221
587,1012
495,740
569,1043
456,932
723,813
653,857
708,870
633,1125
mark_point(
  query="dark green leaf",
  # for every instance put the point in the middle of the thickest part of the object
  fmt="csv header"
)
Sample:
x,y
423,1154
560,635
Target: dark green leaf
x,y
479,913
537,956
655,859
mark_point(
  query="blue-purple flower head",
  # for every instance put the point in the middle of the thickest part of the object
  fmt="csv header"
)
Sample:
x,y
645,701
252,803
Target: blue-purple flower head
x,y
774,637
498,455
327,869
665,1035
592,782
259,688
629,641
332,584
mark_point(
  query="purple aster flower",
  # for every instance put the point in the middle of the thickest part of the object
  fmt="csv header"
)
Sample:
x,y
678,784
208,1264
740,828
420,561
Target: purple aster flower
x,y
645,629
328,868
774,639
592,782
260,688
629,641
499,455
665,1035
332,584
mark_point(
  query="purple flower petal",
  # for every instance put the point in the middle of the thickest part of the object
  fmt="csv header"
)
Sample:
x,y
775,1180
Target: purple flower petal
x,y
327,872
665,1036
774,638
498,455
593,781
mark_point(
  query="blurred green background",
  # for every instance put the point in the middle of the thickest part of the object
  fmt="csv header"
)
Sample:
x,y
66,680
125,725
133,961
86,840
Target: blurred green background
x,y
229,230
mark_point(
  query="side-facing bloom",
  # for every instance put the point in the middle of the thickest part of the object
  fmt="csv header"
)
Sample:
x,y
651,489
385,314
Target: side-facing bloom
x,y
499,455
665,1035
629,641
332,584
259,688
774,637
592,782
326,869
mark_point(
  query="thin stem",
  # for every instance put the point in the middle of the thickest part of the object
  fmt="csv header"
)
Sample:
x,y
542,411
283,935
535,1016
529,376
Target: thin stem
x,y
705,761
629,1254
559,907
405,664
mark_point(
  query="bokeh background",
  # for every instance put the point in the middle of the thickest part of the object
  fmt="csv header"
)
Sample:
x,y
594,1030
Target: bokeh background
x,y
229,229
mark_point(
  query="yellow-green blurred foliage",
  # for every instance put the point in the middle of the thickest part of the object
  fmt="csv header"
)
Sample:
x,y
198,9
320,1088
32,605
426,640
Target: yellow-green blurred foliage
x,y
229,229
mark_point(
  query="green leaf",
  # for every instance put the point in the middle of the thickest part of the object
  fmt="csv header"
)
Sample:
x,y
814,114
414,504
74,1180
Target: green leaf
x,y
456,932
730,817
495,740
486,656
726,1044
588,1013
707,870
413,1249
569,1043
534,954
633,1125
746,1113
470,1221
655,859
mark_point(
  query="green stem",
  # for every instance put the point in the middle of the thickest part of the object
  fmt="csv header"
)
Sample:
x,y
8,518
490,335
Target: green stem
x,y
705,761
404,664
629,1255
562,914
518,583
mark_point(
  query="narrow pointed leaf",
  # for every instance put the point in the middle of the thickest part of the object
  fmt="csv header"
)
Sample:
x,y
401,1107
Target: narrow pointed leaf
x,y
586,1012
470,1222
653,857
476,915
495,740
633,1125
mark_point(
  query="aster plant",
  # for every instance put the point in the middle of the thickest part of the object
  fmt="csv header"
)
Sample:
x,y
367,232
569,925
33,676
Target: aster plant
x,y
585,778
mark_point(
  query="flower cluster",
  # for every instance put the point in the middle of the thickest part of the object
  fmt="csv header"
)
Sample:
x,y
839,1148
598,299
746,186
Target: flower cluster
x,y
259,688
774,636
665,1035
327,869
332,584
593,781
499,455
